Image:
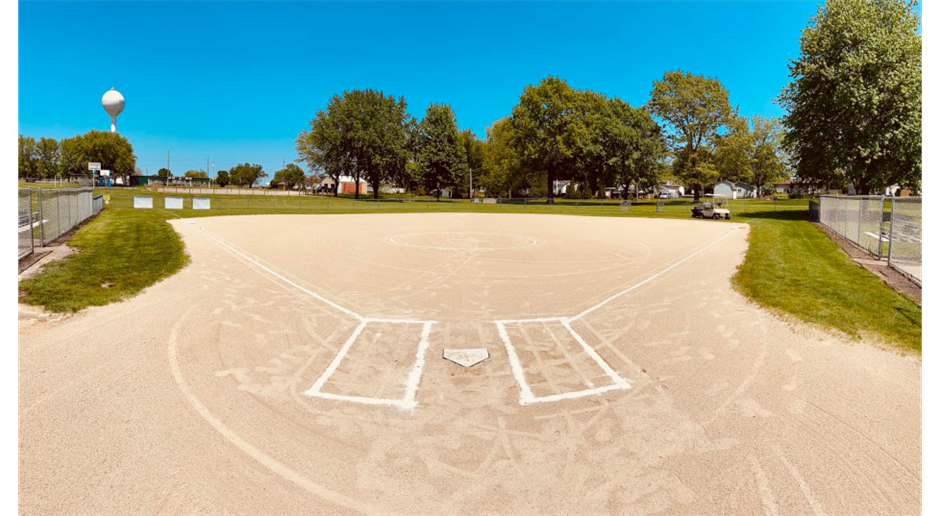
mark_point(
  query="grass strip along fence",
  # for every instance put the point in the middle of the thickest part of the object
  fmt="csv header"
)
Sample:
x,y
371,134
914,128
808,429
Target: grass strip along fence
x,y
790,267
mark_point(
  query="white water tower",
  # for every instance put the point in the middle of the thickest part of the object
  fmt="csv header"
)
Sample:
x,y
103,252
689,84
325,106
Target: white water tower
x,y
113,103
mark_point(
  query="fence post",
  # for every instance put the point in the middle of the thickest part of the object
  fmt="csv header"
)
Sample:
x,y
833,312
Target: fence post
x,y
29,218
860,205
881,225
42,239
891,229
58,216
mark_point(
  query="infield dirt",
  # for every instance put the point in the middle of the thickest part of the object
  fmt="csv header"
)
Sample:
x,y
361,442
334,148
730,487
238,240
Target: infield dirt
x,y
191,398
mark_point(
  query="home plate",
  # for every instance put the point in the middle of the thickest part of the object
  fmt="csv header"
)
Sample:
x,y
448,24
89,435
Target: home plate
x,y
466,357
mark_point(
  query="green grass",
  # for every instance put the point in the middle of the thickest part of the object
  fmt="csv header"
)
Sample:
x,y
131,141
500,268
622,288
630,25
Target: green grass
x,y
793,268
790,267
121,252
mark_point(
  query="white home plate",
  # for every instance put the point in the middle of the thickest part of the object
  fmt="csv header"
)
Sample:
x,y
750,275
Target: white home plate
x,y
466,357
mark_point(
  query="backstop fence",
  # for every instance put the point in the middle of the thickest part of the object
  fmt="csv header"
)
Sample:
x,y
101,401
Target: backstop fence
x,y
48,213
886,227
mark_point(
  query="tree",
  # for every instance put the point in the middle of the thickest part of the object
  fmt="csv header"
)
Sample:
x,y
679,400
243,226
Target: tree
x,y
544,128
473,150
290,176
752,152
222,178
326,146
195,173
245,174
694,108
112,150
617,144
441,156
27,164
47,158
164,172
501,172
361,133
854,99
72,160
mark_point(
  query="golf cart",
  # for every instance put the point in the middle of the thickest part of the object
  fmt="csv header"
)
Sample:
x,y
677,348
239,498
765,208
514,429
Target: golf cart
x,y
708,210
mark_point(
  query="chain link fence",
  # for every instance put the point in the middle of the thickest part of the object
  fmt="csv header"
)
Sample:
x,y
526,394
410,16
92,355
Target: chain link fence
x,y
25,225
48,213
905,250
884,226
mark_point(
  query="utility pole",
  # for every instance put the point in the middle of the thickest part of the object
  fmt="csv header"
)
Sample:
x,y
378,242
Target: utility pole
x,y
168,164
471,184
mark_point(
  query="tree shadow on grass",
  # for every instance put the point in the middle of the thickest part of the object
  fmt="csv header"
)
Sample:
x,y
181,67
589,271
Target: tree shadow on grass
x,y
774,215
905,313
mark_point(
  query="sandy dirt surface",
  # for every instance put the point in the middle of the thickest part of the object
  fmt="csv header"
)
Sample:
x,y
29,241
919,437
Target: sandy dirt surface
x,y
653,388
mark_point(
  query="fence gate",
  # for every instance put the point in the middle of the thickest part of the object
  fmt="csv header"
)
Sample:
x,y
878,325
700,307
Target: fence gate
x,y
25,226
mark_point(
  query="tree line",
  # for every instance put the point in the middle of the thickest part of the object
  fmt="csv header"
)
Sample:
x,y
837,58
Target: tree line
x,y
853,117
554,133
48,158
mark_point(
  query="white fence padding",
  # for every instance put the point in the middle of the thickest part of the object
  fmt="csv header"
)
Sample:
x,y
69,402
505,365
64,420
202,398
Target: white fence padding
x,y
143,202
173,203
201,203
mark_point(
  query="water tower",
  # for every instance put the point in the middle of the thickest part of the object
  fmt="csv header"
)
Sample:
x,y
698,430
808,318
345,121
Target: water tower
x,y
113,103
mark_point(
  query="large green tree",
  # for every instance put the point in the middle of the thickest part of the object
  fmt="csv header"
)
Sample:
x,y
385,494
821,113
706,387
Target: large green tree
x,y
361,133
501,170
164,172
27,164
441,155
545,126
112,150
222,178
195,173
854,100
473,150
695,108
751,151
245,174
620,144
289,176
47,158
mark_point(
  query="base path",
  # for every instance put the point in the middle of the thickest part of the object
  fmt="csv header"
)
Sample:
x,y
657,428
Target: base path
x,y
624,376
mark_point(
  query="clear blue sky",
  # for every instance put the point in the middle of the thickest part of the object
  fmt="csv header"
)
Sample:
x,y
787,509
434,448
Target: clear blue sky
x,y
237,81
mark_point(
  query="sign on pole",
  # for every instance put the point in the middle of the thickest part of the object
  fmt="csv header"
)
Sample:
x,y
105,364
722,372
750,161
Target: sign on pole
x,y
105,172
94,166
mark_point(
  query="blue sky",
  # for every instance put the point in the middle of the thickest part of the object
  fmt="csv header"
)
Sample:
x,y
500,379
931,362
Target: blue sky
x,y
237,81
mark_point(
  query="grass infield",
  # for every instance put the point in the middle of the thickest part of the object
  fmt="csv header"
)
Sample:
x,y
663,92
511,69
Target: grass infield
x,y
790,266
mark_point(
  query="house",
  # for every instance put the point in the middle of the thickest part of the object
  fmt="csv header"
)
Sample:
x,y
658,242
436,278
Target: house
x,y
347,185
560,187
735,190
673,191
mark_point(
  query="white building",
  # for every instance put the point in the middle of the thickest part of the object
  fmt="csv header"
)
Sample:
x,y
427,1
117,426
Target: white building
x,y
735,190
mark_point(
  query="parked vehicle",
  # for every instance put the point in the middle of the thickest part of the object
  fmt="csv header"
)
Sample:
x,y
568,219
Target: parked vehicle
x,y
707,210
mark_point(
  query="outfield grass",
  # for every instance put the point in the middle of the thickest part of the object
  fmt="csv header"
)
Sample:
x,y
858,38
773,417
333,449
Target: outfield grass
x,y
790,267
793,268
121,252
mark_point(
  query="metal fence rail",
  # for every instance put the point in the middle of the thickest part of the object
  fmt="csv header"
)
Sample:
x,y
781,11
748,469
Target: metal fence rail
x,y
25,225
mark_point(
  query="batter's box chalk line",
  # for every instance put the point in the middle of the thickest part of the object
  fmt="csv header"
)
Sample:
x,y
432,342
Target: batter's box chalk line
x,y
526,397
408,401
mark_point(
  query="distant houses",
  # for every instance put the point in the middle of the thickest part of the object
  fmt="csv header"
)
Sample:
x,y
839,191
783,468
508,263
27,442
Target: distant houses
x,y
735,190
